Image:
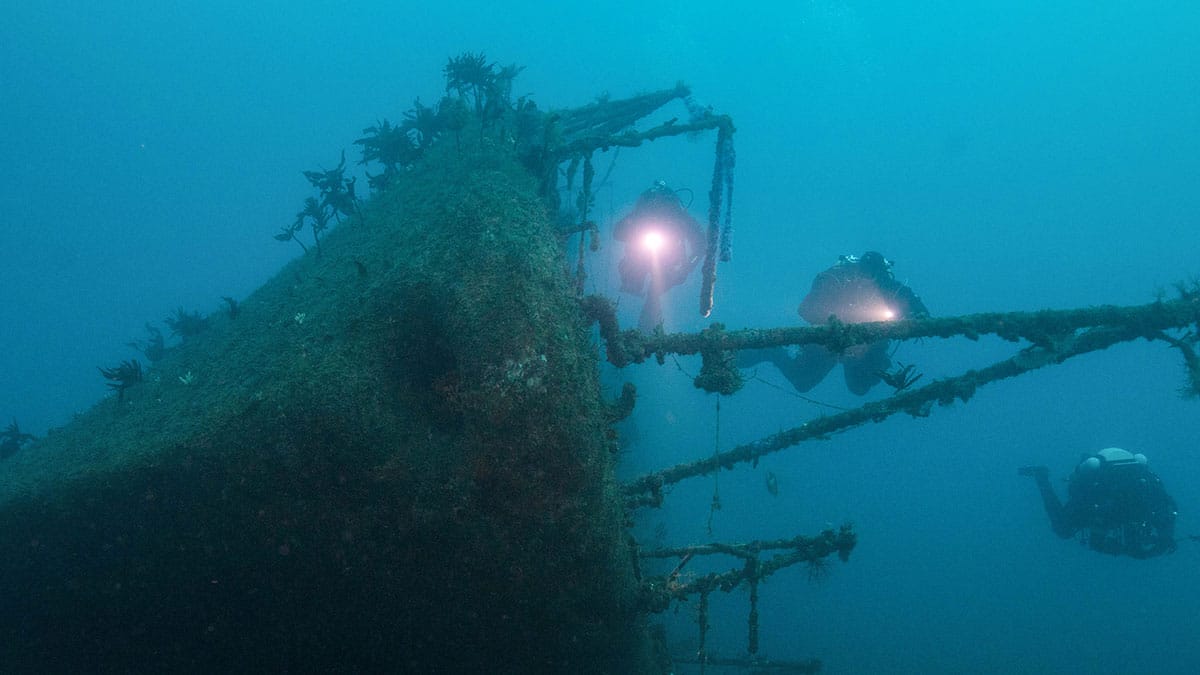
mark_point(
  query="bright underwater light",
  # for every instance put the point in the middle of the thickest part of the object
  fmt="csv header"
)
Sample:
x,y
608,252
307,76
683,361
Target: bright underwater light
x,y
653,240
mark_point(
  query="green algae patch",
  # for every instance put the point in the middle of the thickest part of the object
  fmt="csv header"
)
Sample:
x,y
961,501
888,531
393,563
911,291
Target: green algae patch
x,y
393,459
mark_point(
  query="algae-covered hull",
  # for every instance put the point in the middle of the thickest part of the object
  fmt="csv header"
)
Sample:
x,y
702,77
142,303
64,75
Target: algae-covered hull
x,y
393,459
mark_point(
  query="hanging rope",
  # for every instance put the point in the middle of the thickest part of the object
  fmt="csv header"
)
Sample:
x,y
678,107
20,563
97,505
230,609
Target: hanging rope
x,y
586,227
722,186
726,158
716,498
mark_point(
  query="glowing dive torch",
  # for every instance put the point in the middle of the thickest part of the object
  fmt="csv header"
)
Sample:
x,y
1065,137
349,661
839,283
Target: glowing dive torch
x,y
653,240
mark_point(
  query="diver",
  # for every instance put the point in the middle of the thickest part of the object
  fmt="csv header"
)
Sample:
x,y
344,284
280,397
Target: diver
x,y
662,244
1115,504
858,289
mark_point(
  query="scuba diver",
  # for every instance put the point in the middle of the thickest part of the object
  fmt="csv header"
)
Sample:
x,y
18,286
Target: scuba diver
x,y
662,245
858,289
1114,503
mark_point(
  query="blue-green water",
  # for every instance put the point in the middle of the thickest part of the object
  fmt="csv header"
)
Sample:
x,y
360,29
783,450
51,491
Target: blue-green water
x,y
1007,156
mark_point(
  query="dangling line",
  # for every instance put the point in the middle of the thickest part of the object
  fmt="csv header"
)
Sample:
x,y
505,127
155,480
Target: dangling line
x,y
716,498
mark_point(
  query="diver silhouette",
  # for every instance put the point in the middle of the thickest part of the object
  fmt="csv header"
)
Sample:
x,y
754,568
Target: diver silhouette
x,y
857,289
1115,504
662,244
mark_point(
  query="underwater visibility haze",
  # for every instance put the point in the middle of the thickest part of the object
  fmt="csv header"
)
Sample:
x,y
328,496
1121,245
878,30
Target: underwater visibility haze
x,y
302,368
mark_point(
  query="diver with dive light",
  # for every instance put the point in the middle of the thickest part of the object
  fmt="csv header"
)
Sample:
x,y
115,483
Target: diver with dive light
x,y
858,289
662,244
